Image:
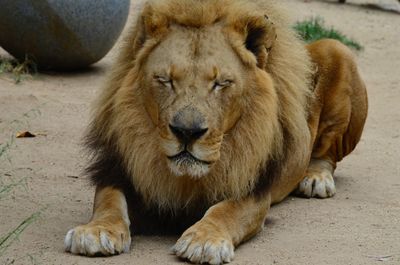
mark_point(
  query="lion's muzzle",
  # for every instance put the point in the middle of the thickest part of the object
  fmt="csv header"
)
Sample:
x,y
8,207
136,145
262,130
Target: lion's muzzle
x,y
187,135
189,129
188,125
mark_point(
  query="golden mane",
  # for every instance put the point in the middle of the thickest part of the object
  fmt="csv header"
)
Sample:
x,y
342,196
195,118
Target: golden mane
x,y
121,129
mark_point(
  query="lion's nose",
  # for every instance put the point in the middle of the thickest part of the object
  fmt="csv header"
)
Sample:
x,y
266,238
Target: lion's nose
x,y
187,135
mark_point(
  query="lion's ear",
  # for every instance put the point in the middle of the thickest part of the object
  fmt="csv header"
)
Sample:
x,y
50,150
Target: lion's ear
x,y
155,24
150,25
260,36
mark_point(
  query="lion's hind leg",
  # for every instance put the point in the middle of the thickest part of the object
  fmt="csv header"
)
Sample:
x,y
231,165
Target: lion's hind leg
x,y
108,231
337,115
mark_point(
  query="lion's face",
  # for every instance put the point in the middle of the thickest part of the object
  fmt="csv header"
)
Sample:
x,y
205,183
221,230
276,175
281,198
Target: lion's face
x,y
209,89
194,83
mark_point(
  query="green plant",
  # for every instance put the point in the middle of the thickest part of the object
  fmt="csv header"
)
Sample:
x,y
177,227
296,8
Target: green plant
x,y
14,125
4,147
9,238
18,69
6,188
314,29
8,185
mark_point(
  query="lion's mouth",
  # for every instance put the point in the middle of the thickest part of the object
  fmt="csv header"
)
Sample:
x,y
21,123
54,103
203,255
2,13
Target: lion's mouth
x,y
187,157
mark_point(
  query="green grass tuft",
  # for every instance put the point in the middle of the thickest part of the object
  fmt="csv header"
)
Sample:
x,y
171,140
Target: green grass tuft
x,y
314,29
9,238
18,69
6,188
4,148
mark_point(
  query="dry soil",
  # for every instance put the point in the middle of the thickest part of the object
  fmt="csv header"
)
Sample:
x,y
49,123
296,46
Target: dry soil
x,y
360,225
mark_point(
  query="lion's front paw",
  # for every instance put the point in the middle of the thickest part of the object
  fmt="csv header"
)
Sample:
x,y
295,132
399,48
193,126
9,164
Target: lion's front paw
x,y
318,184
203,244
97,239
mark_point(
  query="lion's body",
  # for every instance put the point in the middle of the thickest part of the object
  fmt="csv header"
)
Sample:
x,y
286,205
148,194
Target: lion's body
x,y
296,116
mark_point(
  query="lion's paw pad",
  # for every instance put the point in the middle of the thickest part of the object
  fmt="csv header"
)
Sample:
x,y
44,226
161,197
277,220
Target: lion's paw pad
x,y
96,240
319,185
211,250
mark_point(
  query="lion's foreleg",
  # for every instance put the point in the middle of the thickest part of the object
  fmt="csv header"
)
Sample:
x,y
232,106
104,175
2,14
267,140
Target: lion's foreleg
x,y
107,233
224,226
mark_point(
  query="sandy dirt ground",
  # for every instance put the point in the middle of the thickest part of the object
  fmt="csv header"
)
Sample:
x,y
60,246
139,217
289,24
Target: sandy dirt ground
x,y
360,225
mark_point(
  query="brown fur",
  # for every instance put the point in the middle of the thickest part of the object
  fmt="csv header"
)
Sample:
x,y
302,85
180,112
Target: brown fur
x,y
337,81
287,117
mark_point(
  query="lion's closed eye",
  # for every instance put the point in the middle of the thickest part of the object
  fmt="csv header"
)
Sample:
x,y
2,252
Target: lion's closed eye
x,y
218,85
164,80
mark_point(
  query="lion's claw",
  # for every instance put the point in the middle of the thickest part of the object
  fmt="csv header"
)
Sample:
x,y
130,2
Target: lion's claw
x,y
91,240
319,185
204,247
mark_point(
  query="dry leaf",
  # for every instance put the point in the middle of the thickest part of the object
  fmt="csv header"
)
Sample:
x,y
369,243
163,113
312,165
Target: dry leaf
x,y
381,258
25,134
40,133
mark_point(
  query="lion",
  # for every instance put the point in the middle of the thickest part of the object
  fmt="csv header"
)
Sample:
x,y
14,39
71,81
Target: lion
x,y
215,110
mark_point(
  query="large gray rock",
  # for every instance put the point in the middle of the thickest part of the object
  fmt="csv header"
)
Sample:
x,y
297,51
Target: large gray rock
x,y
61,34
